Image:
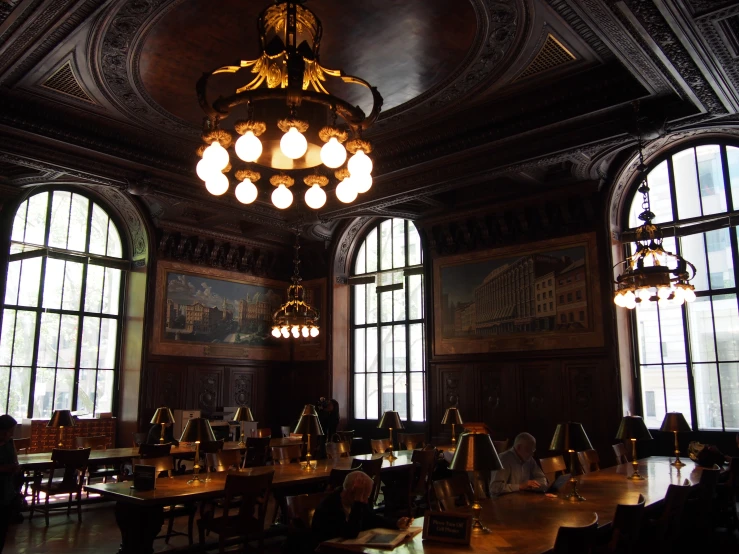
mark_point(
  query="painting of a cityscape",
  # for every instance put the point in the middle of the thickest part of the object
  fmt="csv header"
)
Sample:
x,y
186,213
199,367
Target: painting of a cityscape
x,y
202,309
531,293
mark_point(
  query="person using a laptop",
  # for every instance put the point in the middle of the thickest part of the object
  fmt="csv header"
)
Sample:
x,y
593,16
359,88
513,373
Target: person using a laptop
x,y
520,470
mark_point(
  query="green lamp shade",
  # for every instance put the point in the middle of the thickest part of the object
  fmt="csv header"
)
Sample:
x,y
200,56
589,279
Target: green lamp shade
x,y
390,420
309,409
675,422
570,437
162,415
475,452
452,415
61,418
243,413
633,427
309,425
198,430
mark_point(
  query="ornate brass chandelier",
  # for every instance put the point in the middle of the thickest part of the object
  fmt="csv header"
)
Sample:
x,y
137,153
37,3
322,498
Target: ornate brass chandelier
x,y
287,89
295,316
651,273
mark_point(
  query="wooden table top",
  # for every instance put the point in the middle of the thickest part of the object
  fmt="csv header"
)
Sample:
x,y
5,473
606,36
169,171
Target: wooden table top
x,y
527,523
176,488
42,460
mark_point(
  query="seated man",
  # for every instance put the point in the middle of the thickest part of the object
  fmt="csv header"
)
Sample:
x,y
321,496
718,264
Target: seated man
x,y
345,512
520,470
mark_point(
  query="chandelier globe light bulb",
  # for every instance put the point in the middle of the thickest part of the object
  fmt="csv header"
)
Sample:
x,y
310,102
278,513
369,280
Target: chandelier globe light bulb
x,y
282,198
248,147
216,155
314,332
304,331
217,184
246,192
276,332
359,164
293,144
333,153
315,197
362,182
205,169
346,192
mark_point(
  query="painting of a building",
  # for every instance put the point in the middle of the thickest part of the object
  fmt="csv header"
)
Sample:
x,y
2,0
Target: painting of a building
x,y
571,291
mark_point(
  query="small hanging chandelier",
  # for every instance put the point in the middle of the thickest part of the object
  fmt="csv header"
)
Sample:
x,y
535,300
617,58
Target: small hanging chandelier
x,y
652,273
295,316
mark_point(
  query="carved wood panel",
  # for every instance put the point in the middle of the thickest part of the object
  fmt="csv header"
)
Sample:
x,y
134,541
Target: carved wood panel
x,y
242,389
167,386
206,387
452,385
497,399
542,399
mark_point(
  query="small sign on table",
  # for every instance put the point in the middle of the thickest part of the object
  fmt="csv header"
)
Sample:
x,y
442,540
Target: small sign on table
x,y
447,527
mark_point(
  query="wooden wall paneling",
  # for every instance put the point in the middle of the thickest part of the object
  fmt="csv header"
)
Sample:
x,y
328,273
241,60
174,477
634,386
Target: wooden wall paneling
x,y
452,385
205,387
497,401
541,399
167,388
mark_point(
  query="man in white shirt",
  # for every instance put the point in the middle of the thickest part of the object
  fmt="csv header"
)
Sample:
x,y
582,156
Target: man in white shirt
x,y
520,470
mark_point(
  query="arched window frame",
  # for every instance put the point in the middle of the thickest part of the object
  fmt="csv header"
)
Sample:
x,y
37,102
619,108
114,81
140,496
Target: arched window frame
x,y
675,231
20,251
366,280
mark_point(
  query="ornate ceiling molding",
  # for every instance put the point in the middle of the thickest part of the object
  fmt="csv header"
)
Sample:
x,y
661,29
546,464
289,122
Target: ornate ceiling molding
x,y
570,16
714,35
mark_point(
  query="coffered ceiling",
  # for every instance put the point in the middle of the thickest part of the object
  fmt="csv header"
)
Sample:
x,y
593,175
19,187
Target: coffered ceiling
x,y
484,100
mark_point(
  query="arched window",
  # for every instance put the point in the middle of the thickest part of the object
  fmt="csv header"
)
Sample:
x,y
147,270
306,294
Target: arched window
x,y
388,344
61,320
688,356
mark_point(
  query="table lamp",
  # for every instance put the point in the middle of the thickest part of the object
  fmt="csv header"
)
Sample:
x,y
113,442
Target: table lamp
x,y
197,430
308,424
476,452
243,413
675,422
162,416
633,429
453,417
61,419
571,437
390,420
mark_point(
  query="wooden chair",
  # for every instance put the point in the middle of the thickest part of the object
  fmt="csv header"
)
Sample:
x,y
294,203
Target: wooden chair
x,y
454,492
380,446
211,447
23,446
285,430
336,478
589,460
300,436
626,527
282,455
257,452
397,492
727,495
371,468
666,529
700,507
620,450
74,464
99,442
223,460
139,439
264,433
501,446
411,441
253,492
553,467
346,436
300,510
576,540
335,450
154,450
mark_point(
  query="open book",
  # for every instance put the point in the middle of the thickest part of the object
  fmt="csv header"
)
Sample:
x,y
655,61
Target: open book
x,y
378,538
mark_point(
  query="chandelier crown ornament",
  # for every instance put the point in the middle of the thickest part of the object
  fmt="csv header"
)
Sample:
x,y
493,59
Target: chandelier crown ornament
x,y
295,317
291,122
651,273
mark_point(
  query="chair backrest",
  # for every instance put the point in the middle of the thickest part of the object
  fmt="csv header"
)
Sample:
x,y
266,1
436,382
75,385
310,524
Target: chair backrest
x,y
300,509
668,525
336,478
264,433
371,468
424,462
553,467
287,454
300,436
501,446
285,430
620,450
139,439
453,492
576,540
223,460
589,460
336,450
379,445
411,441
626,526
154,450
94,443
23,445
211,447
162,464
252,492
74,463
256,451
346,435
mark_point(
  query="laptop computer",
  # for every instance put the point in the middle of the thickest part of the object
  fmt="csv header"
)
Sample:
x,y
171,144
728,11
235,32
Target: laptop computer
x,y
554,487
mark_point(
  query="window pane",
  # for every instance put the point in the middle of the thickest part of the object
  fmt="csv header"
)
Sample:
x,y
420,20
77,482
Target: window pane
x,y
25,334
13,283
387,392
399,305
729,395
673,338
30,281
372,349
372,391
73,286
19,222
359,396
60,203
727,327
386,306
78,223
43,393
4,384
53,284
417,403
653,386
359,351
720,260
112,291
732,154
659,195
686,184
678,397
398,243
94,291
706,396
36,219
360,300
414,245
64,389
711,179
98,231
360,263
386,348
693,249
48,345
90,334
86,391
415,297
399,346
6,337
702,347
416,349
115,250
401,401
386,244
20,391
371,303
68,341
371,243
108,335
648,333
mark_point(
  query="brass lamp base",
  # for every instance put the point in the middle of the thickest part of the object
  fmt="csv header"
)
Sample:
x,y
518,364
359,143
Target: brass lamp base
x,y
242,443
636,476
196,480
476,523
391,457
678,463
574,496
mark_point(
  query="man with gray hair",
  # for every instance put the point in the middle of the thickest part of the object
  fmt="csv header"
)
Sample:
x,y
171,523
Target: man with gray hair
x,y
520,470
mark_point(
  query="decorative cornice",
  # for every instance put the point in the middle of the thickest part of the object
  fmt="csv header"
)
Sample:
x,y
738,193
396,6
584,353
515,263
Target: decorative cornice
x,y
565,11
8,8
713,35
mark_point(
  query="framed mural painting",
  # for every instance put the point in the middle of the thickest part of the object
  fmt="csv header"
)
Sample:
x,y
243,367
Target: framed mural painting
x,y
540,296
207,312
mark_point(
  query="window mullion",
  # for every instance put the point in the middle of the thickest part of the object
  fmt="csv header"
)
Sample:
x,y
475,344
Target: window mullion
x,y
39,312
81,321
